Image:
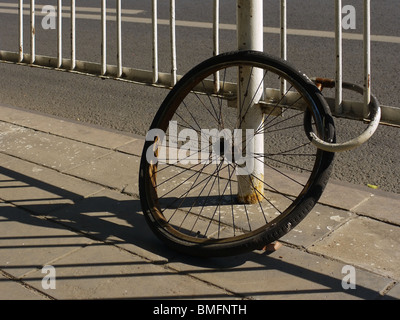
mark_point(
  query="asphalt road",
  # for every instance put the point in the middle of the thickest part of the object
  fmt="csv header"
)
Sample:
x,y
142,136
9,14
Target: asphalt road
x,y
129,107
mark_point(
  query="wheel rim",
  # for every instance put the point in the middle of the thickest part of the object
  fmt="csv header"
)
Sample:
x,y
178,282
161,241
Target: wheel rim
x,y
197,202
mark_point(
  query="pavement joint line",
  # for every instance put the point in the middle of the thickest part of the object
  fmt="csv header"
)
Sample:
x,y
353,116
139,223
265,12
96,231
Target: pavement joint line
x,y
389,287
134,195
126,153
115,149
188,274
328,234
52,261
331,258
381,220
26,285
84,164
361,202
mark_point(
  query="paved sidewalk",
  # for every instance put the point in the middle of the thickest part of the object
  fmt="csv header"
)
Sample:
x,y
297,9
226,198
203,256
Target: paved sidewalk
x,y
69,199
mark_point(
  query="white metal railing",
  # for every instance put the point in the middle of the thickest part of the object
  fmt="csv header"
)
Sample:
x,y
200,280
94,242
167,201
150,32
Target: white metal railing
x,y
103,69
358,110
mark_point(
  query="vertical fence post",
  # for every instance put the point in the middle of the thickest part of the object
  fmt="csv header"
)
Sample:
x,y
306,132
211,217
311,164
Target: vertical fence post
x,y
59,33
216,27
21,30
33,32
283,40
367,56
216,41
173,42
73,35
339,57
155,41
119,38
249,92
103,38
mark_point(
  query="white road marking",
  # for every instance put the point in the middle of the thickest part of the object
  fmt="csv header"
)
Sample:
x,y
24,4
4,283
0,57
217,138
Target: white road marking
x,y
192,24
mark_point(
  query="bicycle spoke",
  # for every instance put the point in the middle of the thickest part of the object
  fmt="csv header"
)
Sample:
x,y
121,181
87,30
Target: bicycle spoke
x,y
195,195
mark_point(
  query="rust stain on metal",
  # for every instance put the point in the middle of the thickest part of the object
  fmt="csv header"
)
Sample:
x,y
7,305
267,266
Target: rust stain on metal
x,y
256,195
249,198
324,83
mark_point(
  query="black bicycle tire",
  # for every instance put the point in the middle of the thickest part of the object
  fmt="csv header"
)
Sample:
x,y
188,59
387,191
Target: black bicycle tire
x,y
305,201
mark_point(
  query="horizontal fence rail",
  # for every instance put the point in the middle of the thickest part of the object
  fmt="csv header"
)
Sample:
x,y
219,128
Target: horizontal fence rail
x,y
154,77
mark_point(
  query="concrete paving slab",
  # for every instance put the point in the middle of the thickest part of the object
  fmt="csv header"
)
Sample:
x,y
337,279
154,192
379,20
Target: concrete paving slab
x,y
66,128
28,242
393,294
115,170
321,221
102,271
344,195
285,274
13,290
5,158
40,189
118,219
367,243
49,150
385,208
133,147
97,238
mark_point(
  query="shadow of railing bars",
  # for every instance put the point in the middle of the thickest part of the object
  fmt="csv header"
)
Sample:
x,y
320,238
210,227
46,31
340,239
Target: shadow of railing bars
x,y
117,220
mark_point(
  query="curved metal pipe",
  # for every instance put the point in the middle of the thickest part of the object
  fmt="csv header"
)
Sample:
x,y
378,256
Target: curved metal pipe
x,y
375,117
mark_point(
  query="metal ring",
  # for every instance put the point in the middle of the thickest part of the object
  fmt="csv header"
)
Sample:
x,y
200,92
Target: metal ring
x,y
375,117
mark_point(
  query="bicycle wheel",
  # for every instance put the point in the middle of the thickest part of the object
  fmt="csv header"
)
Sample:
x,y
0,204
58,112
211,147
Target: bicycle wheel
x,y
226,124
